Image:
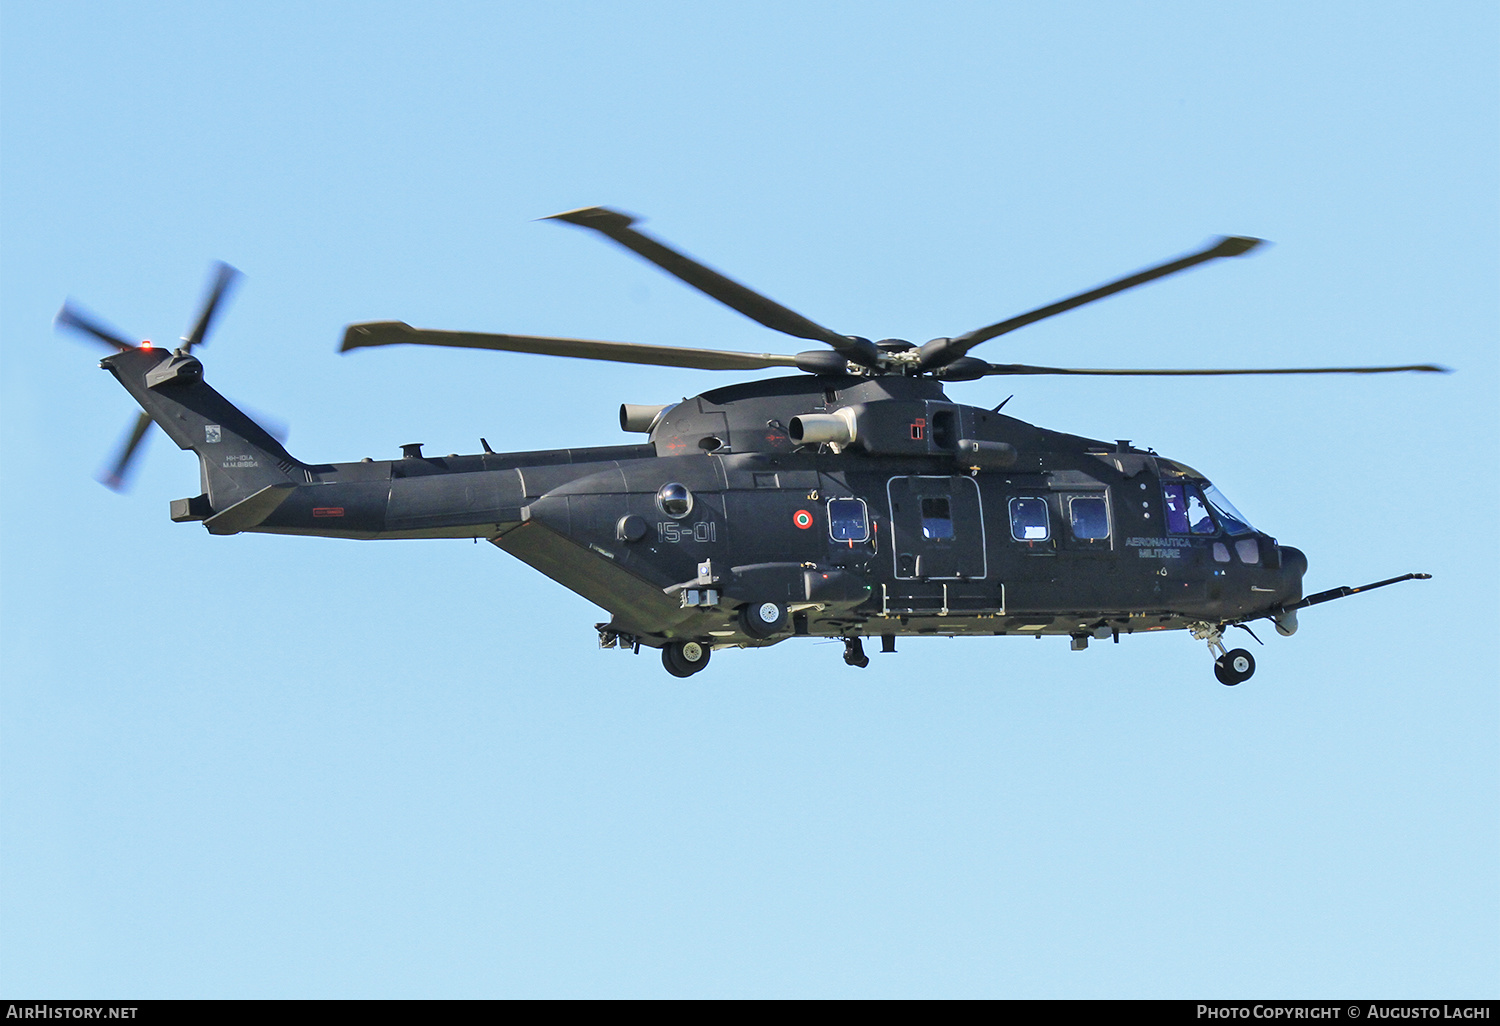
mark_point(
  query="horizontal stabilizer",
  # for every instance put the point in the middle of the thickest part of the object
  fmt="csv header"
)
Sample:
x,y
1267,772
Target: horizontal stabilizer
x,y
251,512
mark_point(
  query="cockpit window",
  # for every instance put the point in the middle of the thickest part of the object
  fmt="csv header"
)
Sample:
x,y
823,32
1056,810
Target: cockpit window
x,y
1176,505
1187,513
1234,523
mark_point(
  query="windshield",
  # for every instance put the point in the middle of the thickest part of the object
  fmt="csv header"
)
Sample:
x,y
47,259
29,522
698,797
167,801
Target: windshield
x,y
1229,517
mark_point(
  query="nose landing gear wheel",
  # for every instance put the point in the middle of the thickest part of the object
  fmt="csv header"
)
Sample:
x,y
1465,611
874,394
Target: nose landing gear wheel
x,y
684,658
1234,667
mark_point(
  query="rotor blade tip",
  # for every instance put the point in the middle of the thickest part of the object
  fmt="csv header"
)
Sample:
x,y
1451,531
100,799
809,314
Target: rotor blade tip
x,y
593,217
71,317
369,333
1236,245
67,316
354,338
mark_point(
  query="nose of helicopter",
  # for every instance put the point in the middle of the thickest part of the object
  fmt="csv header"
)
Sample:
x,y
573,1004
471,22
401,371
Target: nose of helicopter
x,y
1293,566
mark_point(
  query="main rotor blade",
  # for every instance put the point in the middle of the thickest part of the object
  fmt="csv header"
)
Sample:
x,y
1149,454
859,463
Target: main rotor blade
x,y
387,333
224,277
1022,368
72,317
942,351
614,225
115,477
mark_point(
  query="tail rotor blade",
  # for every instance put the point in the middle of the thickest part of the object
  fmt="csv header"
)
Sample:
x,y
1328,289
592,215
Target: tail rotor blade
x,y
223,280
116,476
72,317
75,319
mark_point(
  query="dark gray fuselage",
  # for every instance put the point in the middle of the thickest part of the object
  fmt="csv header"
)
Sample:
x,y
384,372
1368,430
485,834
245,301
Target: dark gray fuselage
x,y
928,519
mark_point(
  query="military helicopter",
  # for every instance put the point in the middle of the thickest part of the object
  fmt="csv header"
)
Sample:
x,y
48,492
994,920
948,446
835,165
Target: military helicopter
x,y
851,499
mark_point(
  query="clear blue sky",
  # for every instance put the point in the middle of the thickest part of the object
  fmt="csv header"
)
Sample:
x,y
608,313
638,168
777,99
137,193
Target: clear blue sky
x,y
261,766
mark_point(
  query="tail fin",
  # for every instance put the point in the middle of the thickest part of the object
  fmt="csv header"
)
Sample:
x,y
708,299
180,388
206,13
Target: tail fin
x,y
238,458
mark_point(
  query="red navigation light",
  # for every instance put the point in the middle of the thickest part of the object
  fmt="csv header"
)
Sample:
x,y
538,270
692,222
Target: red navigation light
x,y
146,344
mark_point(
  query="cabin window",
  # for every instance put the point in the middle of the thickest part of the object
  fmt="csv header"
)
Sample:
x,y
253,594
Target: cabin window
x,y
1028,520
937,517
1089,515
1187,513
849,521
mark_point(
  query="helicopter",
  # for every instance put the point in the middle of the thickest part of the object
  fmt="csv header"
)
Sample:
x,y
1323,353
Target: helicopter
x,y
849,499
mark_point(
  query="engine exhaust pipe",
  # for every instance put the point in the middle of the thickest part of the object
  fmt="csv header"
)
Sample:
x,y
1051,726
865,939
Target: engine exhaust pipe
x,y
639,418
841,427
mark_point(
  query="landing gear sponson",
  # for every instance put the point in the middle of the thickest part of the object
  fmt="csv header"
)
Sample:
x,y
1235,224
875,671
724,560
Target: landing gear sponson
x,y
1231,666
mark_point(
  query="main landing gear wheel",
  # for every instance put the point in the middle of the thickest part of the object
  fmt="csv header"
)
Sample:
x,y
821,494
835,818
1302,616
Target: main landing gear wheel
x,y
1234,667
760,620
685,658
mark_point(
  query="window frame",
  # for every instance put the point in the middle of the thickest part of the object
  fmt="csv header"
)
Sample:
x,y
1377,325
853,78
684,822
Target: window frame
x,y
1102,540
864,512
1010,509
